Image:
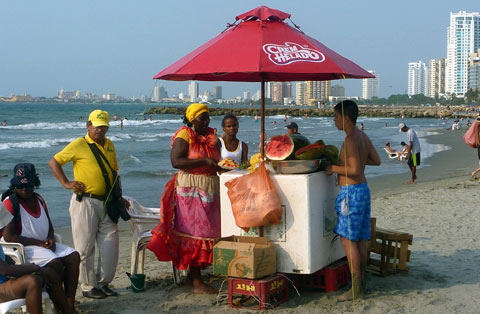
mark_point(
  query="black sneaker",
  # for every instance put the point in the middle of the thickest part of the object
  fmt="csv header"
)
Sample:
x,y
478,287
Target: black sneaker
x,y
108,292
94,294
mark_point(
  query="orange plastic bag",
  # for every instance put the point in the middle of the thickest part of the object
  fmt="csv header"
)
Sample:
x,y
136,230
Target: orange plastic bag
x,y
255,201
469,137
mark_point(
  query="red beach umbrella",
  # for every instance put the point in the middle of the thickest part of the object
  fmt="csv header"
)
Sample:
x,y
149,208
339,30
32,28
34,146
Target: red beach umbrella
x,y
259,47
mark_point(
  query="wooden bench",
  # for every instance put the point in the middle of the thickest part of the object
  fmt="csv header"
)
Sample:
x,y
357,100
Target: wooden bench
x,y
392,249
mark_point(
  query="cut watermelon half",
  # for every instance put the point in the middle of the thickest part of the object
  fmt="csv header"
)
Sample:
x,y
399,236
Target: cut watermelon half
x,y
280,147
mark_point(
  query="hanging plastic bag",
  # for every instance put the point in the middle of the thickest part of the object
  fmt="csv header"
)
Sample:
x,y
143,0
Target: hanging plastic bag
x,y
254,198
469,137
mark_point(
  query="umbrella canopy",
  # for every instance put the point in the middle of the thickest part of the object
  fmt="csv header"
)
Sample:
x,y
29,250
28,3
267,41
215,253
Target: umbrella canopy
x,y
262,46
259,47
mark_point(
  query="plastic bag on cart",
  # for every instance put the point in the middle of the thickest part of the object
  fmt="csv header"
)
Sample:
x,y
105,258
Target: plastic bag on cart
x,y
254,198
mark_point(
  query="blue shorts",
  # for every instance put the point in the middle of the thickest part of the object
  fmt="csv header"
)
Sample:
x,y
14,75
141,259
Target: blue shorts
x,y
353,212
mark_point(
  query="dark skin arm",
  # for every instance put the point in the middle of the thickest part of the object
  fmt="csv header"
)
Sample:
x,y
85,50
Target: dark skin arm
x,y
244,152
17,270
10,235
179,157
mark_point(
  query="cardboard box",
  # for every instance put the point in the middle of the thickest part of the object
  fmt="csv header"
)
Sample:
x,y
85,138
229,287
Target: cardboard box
x,y
244,257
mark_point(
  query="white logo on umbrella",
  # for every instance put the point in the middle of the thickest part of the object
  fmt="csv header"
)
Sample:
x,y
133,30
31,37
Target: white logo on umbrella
x,y
292,52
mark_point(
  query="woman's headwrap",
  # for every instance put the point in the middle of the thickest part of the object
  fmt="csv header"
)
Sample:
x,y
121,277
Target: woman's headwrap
x,y
194,110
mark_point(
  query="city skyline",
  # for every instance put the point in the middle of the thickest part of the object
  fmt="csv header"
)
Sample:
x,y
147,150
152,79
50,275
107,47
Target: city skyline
x,y
117,47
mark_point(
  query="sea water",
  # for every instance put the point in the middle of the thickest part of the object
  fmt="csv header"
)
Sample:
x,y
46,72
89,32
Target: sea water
x,y
36,132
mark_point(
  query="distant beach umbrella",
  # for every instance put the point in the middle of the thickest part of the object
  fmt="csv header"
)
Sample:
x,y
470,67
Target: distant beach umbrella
x,y
260,47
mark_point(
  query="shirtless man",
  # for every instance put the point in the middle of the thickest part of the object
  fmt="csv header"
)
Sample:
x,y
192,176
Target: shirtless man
x,y
353,200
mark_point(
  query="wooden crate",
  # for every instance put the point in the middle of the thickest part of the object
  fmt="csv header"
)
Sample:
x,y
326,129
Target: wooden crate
x,y
388,251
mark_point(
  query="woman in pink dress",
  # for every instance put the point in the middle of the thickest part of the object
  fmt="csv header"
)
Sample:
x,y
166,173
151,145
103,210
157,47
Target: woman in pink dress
x,y
190,205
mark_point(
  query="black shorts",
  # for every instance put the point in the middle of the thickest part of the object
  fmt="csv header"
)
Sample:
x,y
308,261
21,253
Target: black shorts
x,y
478,151
414,160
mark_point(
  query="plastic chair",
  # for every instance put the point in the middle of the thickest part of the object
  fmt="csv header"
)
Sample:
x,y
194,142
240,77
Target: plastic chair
x,y
17,253
394,155
142,221
10,305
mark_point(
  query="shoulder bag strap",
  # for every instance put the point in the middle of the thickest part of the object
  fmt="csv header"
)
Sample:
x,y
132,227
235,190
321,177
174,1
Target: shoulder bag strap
x,y
96,152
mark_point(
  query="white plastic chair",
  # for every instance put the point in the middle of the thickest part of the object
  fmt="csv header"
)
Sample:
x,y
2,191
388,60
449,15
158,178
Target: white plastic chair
x,y
17,253
143,220
394,155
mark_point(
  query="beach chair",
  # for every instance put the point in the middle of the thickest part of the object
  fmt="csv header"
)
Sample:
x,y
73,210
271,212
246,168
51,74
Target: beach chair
x,y
17,253
394,155
142,221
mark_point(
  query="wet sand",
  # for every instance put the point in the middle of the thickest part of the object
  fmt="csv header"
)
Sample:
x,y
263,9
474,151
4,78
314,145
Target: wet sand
x,y
439,210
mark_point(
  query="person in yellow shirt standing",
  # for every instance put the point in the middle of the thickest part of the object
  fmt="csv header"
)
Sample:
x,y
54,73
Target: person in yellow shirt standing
x,y
90,222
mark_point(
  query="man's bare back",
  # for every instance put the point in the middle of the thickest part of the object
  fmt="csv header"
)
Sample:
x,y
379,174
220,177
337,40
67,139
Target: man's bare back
x,y
358,153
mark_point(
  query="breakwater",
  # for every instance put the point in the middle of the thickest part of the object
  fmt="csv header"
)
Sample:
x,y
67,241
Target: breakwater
x,y
394,112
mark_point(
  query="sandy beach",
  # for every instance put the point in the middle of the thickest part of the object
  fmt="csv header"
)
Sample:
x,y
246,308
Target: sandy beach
x,y
439,210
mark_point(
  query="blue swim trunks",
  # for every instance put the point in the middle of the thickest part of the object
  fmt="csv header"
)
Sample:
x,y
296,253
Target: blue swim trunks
x,y
353,212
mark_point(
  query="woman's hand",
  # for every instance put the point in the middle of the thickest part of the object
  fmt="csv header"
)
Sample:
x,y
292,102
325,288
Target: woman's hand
x,y
49,244
212,163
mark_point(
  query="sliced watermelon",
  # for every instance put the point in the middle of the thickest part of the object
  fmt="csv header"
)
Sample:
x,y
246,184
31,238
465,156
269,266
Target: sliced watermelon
x,y
280,147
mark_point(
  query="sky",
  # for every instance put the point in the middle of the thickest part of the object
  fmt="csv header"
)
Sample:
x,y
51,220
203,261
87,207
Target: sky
x,y
117,46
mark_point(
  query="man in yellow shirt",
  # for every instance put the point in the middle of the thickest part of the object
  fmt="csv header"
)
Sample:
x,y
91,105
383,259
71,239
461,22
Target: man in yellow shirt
x,y
90,222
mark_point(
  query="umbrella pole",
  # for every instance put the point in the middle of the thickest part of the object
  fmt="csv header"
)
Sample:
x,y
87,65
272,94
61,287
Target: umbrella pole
x,y
262,121
262,133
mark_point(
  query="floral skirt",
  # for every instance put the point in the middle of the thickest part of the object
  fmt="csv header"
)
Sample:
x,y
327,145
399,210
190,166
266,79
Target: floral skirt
x,y
190,221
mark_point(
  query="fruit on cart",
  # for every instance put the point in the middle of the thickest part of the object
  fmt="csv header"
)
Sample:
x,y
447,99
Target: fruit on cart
x,y
309,152
282,147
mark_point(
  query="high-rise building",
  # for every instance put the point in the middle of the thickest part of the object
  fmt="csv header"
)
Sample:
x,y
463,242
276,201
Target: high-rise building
x,y
463,38
474,71
371,86
217,92
338,91
300,93
246,95
417,78
437,78
317,90
159,93
268,92
193,89
280,90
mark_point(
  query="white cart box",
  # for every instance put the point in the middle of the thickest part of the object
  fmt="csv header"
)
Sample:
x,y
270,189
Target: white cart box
x,y
304,238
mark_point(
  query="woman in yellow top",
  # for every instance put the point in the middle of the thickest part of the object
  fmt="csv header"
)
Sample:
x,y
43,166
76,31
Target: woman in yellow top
x,y
190,205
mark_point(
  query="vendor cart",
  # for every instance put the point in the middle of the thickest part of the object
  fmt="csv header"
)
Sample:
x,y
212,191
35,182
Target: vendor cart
x,y
304,239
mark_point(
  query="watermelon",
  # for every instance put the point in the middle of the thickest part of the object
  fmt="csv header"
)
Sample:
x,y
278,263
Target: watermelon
x,y
282,147
307,148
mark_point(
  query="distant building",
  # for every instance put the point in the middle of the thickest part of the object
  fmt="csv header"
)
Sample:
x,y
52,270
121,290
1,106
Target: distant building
x,y
317,91
246,95
280,90
68,94
371,86
108,96
338,91
474,71
417,78
437,78
301,93
193,90
268,87
217,92
159,93
257,96
463,38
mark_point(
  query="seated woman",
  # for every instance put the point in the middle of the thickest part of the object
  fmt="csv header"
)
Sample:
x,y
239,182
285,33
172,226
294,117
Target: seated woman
x,y
32,227
230,145
392,153
190,205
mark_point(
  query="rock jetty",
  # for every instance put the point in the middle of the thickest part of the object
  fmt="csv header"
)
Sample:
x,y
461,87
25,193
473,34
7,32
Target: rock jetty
x,y
394,112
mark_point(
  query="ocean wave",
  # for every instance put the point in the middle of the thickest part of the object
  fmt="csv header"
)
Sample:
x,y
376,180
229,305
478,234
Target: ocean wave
x,y
35,144
49,126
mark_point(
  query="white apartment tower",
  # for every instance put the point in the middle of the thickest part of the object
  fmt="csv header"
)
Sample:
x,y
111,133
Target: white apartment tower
x,y
193,89
417,78
300,93
159,93
371,86
474,71
463,38
437,78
